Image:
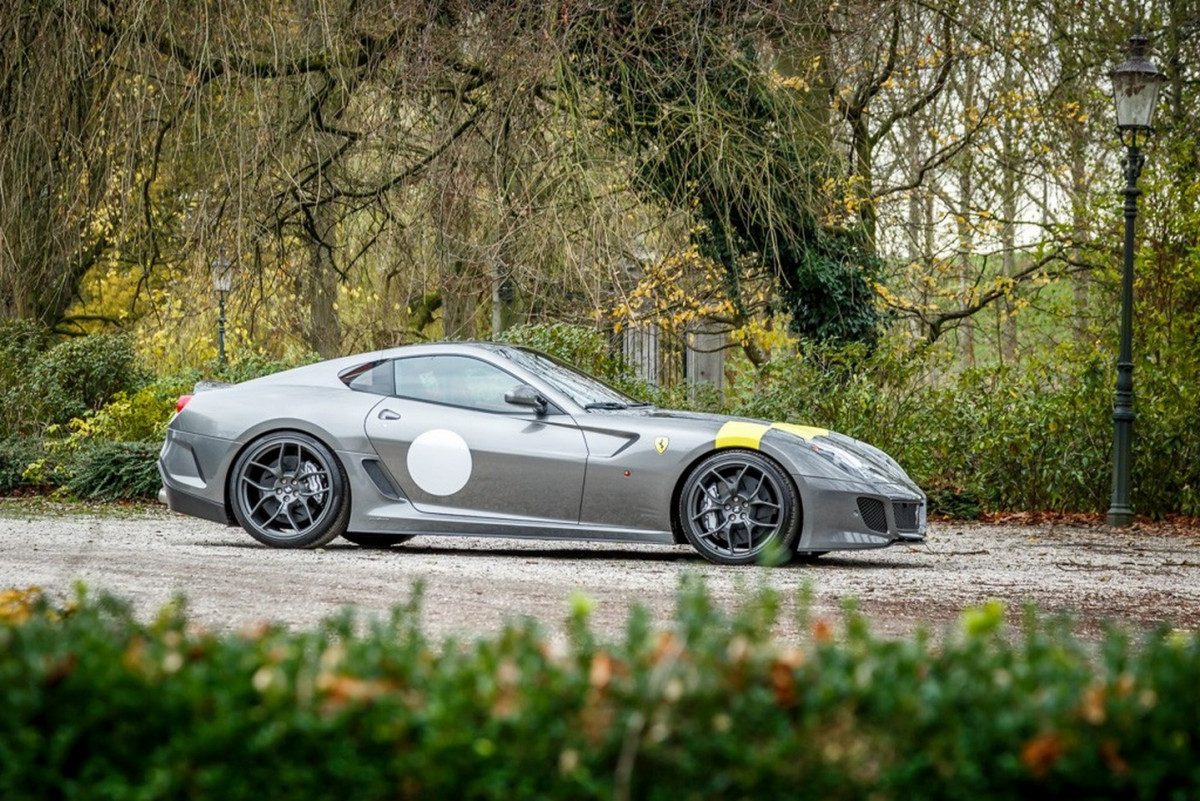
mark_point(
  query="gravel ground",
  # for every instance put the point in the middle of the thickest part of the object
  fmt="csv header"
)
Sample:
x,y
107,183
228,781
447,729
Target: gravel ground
x,y
1136,577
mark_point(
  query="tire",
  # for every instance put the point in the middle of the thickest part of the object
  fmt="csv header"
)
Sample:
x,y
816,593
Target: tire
x,y
374,540
738,507
289,491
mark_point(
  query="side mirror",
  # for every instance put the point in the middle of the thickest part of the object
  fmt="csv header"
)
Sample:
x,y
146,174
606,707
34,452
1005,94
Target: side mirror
x,y
525,395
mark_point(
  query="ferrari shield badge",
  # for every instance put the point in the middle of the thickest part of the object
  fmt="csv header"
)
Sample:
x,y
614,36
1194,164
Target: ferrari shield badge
x,y
661,443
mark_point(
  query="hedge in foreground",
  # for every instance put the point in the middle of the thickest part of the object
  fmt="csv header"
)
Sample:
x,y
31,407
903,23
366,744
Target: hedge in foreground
x,y
94,704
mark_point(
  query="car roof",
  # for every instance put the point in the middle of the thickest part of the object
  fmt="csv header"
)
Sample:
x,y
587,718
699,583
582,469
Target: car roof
x,y
325,373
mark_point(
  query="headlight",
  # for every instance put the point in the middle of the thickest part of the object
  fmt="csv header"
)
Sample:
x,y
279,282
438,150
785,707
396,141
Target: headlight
x,y
844,460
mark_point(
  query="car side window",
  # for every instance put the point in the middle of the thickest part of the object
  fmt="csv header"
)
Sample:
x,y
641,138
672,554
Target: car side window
x,y
455,381
374,377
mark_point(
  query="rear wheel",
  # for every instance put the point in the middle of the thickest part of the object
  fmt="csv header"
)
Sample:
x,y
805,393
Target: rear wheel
x,y
738,507
289,491
372,539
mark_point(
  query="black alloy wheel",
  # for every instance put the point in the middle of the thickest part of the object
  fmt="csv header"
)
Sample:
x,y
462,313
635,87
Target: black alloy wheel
x,y
738,507
289,491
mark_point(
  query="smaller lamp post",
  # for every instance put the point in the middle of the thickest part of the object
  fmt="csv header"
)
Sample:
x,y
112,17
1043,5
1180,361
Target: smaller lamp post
x,y
222,278
1135,91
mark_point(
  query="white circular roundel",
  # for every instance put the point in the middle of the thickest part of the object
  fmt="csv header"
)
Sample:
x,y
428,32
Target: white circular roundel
x,y
439,461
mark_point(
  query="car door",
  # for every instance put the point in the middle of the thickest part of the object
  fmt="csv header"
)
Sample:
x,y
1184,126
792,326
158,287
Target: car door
x,y
456,447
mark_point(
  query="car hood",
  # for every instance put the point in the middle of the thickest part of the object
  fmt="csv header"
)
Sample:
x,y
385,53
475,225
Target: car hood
x,y
812,449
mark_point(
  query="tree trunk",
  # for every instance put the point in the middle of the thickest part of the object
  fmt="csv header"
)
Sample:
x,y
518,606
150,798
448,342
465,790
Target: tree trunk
x,y
1009,188
324,330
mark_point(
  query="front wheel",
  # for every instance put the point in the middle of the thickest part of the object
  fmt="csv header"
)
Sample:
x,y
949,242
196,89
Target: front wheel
x,y
738,507
289,491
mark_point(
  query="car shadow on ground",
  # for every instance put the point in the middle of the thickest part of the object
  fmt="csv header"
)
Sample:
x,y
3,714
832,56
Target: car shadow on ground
x,y
847,560
625,553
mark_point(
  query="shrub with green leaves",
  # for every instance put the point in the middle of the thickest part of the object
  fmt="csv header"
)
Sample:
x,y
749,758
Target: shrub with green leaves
x,y
1166,452
882,395
129,417
110,454
1038,438
111,471
102,422
16,454
22,343
82,374
94,702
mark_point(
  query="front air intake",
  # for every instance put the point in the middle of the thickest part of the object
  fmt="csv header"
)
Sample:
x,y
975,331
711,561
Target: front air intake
x,y
907,514
873,514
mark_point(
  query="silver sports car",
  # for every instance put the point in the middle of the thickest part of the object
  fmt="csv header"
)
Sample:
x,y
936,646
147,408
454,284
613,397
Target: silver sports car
x,y
488,439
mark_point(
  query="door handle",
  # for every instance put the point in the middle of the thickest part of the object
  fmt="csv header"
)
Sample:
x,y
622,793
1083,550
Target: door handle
x,y
388,414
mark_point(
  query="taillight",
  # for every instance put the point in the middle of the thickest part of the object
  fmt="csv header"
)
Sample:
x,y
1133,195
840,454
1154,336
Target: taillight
x,y
183,401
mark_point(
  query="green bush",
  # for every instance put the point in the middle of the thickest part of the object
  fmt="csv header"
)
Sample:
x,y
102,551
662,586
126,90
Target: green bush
x,y
81,375
1041,439
881,395
953,502
1035,439
1166,448
42,383
95,703
111,471
110,454
16,454
129,417
22,343
106,448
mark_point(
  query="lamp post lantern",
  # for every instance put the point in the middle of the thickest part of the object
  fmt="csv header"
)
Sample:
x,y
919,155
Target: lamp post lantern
x,y
1135,92
222,278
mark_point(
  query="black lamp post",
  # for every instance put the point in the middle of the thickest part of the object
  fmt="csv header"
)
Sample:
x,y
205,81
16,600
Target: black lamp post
x,y
1135,90
222,278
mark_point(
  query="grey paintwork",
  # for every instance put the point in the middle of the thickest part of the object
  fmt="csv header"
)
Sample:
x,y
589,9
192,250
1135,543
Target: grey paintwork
x,y
569,473
523,465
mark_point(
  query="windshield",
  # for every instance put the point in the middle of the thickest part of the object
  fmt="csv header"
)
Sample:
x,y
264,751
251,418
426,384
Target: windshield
x,y
585,390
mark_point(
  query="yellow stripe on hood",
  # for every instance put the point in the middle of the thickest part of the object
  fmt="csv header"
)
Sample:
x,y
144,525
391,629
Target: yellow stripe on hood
x,y
742,434
804,432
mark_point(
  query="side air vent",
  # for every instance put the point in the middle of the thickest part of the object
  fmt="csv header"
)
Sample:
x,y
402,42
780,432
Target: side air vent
x,y
873,514
381,480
